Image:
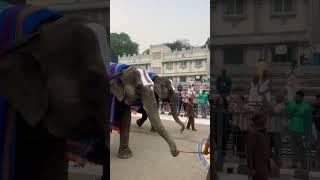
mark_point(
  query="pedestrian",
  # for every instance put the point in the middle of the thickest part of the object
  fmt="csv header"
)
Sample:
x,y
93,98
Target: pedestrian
x,y
275,126
261,66
292,84
190,114
224,84
196,101
221,111
300,125
185,100
254,97
316,114
258,150
264,89
203,103
316,121
241,125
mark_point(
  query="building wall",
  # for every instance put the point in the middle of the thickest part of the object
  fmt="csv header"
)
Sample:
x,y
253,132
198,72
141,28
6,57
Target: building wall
x,y
259,19
259,31
177,65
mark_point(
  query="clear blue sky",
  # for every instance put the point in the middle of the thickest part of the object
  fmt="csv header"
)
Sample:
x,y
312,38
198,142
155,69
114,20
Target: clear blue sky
x,y
158,21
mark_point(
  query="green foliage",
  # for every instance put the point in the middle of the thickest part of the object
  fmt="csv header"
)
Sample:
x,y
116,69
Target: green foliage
x,y
177,45
121,44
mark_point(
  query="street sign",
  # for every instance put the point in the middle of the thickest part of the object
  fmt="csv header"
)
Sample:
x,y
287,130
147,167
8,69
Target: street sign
x,y
281,49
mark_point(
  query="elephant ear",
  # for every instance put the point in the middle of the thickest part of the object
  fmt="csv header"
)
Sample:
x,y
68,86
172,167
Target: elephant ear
x,y
23,86
117,88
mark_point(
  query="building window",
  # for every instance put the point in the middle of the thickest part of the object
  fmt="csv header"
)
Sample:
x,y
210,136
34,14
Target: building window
x,y
183,79
283,7
234,8
198,63
156,55
183,64
283,54
169,65
233,55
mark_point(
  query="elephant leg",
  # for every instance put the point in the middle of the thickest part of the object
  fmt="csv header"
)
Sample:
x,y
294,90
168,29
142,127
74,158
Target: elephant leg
x,y
125,123
143,119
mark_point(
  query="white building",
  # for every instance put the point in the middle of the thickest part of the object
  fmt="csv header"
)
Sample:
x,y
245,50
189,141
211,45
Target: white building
x,y
181,66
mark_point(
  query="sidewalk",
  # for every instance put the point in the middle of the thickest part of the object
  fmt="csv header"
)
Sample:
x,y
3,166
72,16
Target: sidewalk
x,y
166,117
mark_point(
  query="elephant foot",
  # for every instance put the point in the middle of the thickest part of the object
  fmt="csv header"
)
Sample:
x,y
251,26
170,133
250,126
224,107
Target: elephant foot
x,y
152,130
124,153
139,123
182,129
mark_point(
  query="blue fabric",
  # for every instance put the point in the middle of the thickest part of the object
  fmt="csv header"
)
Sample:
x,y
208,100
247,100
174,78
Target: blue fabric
x,y
29,25
152,75
33,21
115,69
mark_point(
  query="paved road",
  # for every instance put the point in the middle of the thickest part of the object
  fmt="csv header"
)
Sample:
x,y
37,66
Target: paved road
x,y
152,159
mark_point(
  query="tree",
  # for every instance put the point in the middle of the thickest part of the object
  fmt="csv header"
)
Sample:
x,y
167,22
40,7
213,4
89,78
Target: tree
x,y
177,45
122,44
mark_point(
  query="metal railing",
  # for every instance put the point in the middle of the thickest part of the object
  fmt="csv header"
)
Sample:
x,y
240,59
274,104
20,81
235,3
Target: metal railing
x,y
231,129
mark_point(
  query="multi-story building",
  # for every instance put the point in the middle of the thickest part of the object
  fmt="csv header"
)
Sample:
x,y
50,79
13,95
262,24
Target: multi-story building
x,y
280,31
180,66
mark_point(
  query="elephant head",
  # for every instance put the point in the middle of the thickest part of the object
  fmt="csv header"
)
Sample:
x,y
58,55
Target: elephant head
x,y
57,79
129,86
163,88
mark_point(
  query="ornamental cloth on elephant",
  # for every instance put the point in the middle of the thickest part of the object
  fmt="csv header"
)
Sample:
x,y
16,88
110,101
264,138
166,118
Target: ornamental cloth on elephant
x,y
15,22
139,106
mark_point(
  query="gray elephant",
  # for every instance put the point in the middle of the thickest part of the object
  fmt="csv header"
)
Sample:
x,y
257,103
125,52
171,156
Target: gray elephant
x,y
54,80
129,85
163,90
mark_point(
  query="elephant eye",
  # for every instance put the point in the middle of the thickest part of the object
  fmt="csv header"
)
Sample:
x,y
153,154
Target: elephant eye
x,y
139,87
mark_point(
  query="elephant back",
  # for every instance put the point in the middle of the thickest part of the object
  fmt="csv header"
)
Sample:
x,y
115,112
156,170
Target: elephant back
x,y
20,21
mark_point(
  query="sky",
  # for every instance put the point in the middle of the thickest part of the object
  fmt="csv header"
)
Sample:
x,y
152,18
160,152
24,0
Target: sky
x,y
150,22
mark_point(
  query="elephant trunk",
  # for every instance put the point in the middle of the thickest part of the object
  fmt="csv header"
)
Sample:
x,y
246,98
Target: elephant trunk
x,y
173,108
151,107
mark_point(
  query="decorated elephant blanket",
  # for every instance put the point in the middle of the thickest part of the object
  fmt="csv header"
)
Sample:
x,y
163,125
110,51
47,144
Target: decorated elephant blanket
x,y
19,21
15,22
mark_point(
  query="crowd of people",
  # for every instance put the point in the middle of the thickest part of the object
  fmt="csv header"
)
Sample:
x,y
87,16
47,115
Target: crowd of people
x,y
285,114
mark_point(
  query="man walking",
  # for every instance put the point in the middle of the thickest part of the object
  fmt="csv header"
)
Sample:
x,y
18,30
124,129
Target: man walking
x,y
224,84
203,103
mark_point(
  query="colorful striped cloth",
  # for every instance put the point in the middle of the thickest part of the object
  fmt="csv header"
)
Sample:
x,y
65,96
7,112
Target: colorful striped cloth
x,y
15,22
19,21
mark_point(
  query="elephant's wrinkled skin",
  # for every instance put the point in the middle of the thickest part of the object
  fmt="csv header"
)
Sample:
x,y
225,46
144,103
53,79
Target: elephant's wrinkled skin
x,y
128,88
163,90
57,82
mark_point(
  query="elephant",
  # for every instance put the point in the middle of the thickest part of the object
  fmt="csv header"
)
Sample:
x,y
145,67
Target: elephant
x,y
163,90
54,82
129,85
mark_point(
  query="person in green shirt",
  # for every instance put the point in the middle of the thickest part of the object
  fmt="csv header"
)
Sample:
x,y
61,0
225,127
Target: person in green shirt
x,y
300,124
203,97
